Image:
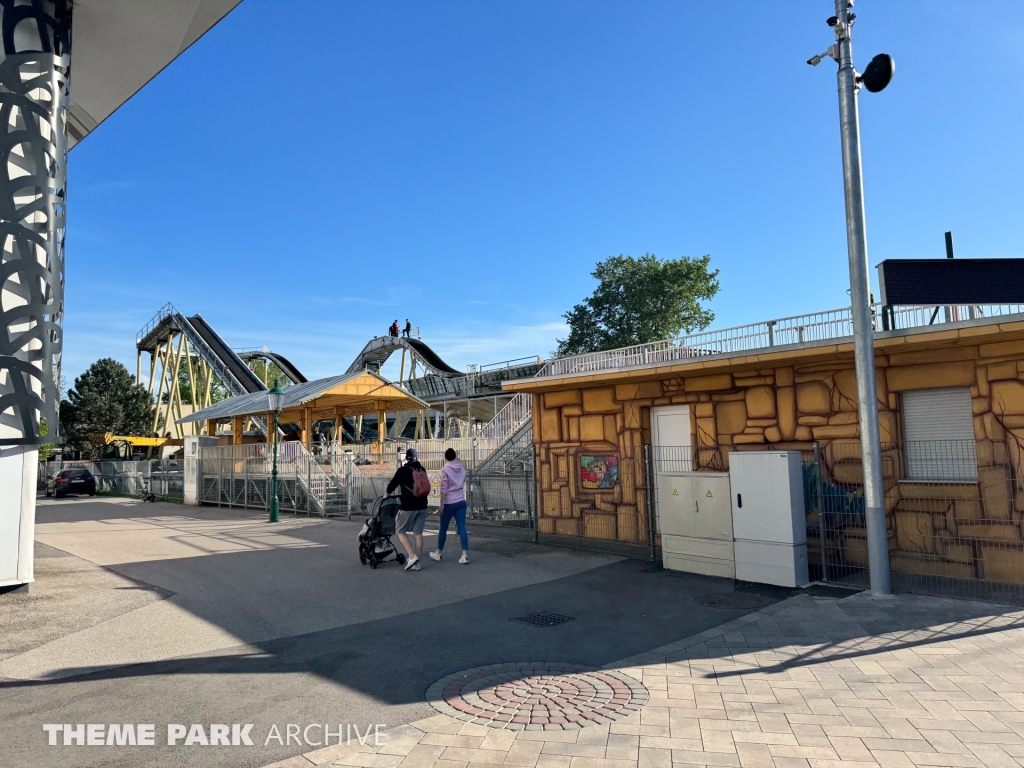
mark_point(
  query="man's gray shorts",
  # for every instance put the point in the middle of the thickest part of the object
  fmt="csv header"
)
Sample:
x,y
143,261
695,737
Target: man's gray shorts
x,y
411,521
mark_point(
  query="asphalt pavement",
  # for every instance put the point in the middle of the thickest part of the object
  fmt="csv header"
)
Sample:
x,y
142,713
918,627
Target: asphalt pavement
x,y
165,614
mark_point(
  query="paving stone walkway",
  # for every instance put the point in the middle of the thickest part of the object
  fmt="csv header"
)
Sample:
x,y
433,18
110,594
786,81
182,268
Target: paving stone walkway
x,y
538,696
806,683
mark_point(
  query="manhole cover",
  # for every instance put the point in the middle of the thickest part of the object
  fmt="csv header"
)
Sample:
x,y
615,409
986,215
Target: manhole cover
x,y
544,619
735,600
547,696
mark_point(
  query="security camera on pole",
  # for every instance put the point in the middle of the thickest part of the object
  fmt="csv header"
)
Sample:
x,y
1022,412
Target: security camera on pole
x,y
877,75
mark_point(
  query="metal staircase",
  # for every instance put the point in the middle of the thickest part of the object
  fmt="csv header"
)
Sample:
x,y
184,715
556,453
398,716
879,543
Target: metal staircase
x,y
513,426
515,455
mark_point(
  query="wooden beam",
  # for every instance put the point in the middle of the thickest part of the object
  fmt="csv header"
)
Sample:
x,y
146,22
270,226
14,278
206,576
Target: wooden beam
x,y
174,392
193,386
163,378
382,428
207,385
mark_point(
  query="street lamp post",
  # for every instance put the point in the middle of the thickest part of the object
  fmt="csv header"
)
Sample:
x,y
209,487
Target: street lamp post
x,y
274,406
875,78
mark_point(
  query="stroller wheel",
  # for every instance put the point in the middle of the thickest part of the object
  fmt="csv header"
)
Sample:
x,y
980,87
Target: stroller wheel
x,y
400,558
362,558
373,562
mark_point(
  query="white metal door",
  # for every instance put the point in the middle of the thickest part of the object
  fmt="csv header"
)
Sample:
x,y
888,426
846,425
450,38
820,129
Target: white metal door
x,y
670,433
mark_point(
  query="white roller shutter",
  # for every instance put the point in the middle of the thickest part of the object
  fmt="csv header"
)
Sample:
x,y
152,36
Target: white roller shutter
x,y
938,427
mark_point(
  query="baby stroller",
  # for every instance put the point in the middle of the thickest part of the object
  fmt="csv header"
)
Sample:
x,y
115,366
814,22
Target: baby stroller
x,y
375,539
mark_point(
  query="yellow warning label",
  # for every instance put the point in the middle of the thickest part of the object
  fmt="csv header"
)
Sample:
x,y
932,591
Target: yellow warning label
x,y
675,492
710,496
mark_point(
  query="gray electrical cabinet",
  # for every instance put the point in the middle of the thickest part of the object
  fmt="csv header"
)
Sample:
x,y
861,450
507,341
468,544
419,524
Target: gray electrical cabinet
x,y
695,521
769,522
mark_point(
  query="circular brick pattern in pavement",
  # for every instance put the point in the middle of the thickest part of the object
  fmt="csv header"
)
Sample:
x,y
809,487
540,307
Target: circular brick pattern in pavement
x,y
537,696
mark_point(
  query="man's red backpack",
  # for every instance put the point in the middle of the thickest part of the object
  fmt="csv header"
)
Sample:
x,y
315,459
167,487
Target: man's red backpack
x,y
420,482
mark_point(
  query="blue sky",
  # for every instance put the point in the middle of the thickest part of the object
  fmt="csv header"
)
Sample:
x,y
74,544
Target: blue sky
x,y
311,170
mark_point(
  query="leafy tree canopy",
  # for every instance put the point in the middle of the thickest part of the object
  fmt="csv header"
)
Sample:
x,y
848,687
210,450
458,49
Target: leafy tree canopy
x,y
268,373
105,399
217,390
639,301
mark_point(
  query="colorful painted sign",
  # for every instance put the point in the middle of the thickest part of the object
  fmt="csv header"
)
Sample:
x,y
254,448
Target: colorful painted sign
x,y
599,472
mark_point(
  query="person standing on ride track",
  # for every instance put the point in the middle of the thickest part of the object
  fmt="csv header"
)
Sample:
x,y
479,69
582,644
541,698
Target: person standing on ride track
x,y
415,485
453,504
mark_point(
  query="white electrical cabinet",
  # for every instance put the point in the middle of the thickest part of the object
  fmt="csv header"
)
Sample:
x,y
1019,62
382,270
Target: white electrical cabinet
x,y
696,522
18,468
769,522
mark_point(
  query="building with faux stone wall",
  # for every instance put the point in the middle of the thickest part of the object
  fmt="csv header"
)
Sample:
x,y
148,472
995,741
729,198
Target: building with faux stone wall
x,y
791,398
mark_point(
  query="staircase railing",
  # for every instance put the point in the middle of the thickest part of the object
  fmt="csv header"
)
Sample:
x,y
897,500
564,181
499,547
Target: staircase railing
x,y
509,419
516,452
310,475
231,384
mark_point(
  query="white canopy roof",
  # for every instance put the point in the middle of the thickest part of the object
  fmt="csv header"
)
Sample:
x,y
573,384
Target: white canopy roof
x,y
117,46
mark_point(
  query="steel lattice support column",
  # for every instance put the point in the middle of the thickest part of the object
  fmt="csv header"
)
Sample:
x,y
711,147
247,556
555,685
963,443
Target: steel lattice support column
x,y
35,76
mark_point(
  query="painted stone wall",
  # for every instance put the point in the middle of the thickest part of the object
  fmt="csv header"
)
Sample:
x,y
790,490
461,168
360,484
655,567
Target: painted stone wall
x,y
597,421
812,400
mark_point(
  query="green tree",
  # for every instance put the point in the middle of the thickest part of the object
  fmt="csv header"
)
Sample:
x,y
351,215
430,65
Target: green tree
x,y
105,399
217,391
268,372
639,301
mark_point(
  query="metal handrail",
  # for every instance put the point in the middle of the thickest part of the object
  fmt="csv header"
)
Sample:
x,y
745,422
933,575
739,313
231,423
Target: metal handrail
x,y
211,358
311,476
514,363
294,461
165,311
509,419
833,324
471,450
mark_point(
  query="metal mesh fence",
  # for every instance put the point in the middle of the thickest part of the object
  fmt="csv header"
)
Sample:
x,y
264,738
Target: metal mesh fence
x,y
163,478
953,512
502,505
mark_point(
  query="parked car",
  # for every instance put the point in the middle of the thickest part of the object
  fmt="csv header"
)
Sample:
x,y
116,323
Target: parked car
x,y
71,481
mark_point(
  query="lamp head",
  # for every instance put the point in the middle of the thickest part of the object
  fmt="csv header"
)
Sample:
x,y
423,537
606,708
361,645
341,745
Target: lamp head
x,y
274,398
878,73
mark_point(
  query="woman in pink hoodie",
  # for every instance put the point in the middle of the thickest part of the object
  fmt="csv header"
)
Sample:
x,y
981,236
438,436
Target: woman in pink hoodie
x,y
453,504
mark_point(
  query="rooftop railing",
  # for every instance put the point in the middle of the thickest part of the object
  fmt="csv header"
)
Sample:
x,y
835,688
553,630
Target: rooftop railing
x,y
165,311
518,362
831,325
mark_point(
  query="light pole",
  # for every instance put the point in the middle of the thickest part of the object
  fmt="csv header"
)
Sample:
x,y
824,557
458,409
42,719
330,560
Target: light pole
x,y
274,406
875,78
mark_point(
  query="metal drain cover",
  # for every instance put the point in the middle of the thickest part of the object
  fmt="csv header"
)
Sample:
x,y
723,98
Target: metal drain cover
x,y
735,600
544,619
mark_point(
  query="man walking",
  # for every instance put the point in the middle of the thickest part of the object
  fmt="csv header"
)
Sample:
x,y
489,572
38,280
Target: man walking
x,y
408,328
415,489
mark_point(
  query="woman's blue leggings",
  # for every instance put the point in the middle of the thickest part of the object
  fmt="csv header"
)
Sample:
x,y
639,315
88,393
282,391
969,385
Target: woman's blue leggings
x,y
458,511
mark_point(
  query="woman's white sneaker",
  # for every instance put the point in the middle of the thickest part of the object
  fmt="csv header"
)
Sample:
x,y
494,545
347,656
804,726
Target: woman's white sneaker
x,y
464,560
411,562
435,555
